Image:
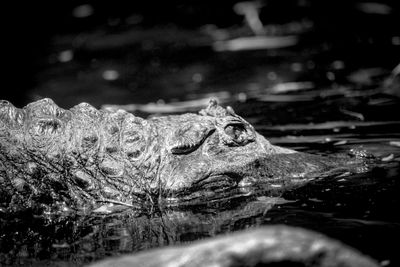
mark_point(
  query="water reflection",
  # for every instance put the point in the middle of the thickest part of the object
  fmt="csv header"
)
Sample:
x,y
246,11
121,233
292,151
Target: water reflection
x,y
357,209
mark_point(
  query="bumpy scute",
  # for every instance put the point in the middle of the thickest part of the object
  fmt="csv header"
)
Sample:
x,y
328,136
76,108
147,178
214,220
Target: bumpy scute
x,y
85,130
112,167
133,137
110,130
84,152
44,127
10,116
43,107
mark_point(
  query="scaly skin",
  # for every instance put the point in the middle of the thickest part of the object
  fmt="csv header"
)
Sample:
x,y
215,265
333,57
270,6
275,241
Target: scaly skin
x,y
83,156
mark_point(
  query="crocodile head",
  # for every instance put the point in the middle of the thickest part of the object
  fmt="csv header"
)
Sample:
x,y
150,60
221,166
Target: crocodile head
x,y
218,150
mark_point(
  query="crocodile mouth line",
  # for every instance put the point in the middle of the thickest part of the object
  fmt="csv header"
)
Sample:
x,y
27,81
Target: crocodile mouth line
x,y
211,189
209,185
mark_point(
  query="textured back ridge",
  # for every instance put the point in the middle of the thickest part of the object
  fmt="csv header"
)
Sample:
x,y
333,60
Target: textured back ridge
x,y
81,152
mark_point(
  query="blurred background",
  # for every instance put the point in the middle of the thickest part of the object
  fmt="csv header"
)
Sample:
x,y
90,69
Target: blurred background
x,y
121,52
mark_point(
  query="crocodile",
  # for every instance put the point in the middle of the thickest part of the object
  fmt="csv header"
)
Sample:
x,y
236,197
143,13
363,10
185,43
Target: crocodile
x,y
83,156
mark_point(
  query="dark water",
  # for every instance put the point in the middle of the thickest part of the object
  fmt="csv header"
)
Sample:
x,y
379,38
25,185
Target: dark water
x,y
326,94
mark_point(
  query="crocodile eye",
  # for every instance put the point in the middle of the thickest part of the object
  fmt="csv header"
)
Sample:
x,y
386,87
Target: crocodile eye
x,y
237,132
187,140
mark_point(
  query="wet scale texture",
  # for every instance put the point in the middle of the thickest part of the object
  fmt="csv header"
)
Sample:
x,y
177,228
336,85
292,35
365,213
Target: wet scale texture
x,y
76,158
